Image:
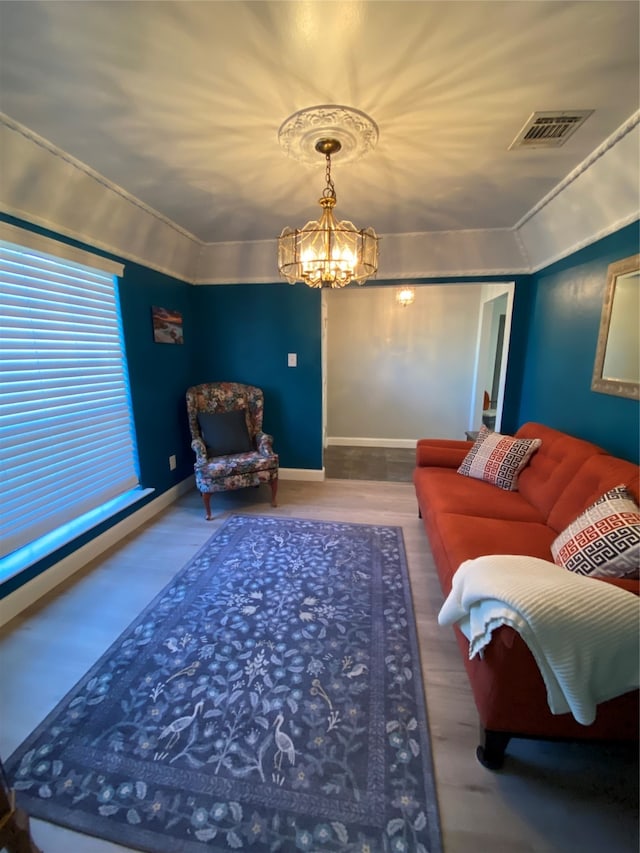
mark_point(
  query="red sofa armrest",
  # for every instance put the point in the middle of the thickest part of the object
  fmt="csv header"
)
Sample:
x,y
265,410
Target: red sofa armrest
x,y
511,697
441,452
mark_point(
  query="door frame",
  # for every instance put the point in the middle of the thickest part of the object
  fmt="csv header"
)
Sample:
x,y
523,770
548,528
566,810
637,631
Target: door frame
x,y
485,359
324,318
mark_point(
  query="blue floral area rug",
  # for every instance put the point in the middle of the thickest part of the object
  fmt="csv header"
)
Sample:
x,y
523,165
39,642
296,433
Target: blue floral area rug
x,y
269,699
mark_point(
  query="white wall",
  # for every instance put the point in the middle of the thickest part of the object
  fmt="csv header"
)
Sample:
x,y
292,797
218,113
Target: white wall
x,y
397,374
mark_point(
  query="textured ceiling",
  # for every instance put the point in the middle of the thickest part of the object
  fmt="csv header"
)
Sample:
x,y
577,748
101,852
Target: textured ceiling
x,y
179,103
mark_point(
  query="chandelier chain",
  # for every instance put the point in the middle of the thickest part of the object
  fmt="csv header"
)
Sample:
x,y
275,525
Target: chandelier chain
x,y
329,191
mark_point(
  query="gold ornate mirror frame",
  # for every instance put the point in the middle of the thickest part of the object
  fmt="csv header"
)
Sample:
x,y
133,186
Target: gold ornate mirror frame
x,y
617,365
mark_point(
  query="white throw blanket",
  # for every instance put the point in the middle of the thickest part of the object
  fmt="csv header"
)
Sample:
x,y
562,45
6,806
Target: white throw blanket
x,y
583,633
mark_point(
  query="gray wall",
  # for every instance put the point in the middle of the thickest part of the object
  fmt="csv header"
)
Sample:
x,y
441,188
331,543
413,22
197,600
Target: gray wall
x,y
400,373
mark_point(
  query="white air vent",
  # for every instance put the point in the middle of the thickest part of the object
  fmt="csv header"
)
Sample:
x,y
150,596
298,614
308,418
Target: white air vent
x,y
549,129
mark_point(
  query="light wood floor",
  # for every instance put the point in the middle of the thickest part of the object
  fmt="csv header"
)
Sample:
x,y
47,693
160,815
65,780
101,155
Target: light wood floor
x,y
550,798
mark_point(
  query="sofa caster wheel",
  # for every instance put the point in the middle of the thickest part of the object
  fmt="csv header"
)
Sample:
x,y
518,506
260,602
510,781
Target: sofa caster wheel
x,y
488,762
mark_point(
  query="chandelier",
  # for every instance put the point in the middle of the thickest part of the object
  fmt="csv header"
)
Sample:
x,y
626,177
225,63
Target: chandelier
x,y
326,252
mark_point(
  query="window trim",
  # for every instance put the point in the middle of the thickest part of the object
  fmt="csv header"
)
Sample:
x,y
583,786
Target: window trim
x,y
40,243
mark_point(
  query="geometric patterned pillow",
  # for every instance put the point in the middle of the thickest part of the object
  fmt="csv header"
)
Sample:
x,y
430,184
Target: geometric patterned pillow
x,y
604,541
498,459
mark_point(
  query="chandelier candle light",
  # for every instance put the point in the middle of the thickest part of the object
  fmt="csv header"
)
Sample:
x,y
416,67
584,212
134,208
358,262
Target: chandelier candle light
x,y
327,253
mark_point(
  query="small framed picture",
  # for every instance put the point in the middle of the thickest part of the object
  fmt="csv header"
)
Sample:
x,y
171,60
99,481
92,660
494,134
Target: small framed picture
x,y
167,326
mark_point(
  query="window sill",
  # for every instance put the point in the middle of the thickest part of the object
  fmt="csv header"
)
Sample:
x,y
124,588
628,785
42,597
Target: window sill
x,y
19,560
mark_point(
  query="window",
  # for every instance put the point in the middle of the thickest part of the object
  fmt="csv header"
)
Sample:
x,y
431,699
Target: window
x,y
66,433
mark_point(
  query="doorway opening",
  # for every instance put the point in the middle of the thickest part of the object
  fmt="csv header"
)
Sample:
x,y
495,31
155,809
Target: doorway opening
x,y
492,351
393,374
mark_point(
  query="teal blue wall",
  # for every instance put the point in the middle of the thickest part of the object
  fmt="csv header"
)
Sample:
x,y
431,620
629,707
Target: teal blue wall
x,y
563,332
159,374
245,332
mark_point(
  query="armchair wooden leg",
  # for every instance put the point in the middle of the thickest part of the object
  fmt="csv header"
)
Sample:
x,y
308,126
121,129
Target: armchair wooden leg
x,y
206,497
274,491
15,834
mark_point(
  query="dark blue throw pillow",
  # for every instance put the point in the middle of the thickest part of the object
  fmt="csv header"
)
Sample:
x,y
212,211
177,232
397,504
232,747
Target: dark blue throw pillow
x,y
225,433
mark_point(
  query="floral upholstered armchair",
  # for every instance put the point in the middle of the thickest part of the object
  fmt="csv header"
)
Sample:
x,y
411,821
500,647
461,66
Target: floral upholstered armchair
x,y
232,452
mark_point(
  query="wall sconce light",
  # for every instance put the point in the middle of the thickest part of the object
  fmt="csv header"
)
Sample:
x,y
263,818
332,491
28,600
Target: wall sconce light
x,y
405,296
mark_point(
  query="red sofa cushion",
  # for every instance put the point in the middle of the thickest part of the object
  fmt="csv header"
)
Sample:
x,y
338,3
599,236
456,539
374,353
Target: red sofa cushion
x,y
444,490
595,477
467,536
441,452
553,466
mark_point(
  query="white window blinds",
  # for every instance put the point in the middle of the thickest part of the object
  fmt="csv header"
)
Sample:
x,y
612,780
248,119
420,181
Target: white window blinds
x,y
66,434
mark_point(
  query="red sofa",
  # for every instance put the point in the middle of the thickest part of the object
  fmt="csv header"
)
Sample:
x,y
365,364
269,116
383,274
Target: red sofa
x,y
466,518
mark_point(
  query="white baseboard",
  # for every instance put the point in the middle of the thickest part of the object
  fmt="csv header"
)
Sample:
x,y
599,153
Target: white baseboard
x,y
26,595
339,441
308,474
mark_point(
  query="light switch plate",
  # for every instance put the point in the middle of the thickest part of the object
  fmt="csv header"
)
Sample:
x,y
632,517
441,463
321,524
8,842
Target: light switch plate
x,y
292,359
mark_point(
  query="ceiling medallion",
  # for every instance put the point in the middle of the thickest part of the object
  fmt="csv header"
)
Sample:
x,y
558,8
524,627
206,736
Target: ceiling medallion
x,y
300,133
325,252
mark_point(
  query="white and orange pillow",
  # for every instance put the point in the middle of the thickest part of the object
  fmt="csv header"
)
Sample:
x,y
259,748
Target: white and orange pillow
x,y
498,459
604,540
